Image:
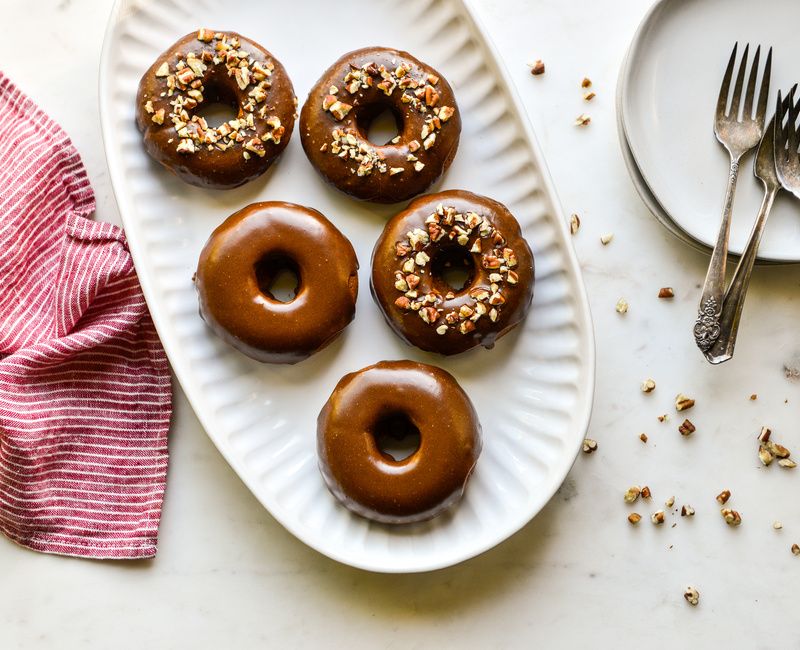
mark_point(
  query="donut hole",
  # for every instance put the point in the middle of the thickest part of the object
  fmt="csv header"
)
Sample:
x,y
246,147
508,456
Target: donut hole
x,y
278,277
452,269
396,436
219,105
379,123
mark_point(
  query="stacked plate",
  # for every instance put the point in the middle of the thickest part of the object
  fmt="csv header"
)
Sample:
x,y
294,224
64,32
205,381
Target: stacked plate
x,y
666,95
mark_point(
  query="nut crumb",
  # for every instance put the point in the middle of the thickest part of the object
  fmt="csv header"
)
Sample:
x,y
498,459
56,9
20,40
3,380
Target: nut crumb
x,y
587,97
589,446
777,525
537,67
687,511
645,492
586,82
753,397
687,428
605,240
574,224
622,306
663,418
764,434
670,502
722,497
731,517
643,437
632,493
692,596
634,518
666,292
795,549
683,403
764,455
787,463
657,517
582,120
648,386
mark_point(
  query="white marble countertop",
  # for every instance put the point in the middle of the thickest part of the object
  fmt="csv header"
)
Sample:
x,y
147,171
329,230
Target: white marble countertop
x,y
228,576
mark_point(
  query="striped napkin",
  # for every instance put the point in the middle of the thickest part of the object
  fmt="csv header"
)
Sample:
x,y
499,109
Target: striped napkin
x,y
85,394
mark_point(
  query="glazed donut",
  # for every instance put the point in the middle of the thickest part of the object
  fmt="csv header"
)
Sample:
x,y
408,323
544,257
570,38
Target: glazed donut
x,y
245,253
432,234
209,67
372,483
354,90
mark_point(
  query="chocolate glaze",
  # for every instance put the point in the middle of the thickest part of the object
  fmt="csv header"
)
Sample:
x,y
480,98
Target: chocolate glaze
x,y
373,484
408,322
236,262
215,168
317,126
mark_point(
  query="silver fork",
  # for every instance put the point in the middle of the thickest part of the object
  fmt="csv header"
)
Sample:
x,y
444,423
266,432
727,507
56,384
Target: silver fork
x,y
738,136
765,170
787,159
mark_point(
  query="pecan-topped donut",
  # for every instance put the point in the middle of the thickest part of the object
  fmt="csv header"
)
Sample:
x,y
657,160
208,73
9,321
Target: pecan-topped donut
x,y
431,236
372,402
208,67
243,256
357,88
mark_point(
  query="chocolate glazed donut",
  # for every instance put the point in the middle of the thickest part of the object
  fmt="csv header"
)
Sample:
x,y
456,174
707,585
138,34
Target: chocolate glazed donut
x,y
357,88
438,232
209,67
241,258
371,483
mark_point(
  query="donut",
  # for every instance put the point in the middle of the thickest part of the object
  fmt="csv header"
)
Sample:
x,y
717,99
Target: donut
x,y
435,234
243,256
204,68
350,94
369,402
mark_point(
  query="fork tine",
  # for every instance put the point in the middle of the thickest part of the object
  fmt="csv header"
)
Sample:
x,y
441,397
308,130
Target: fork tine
x,y
763,93
722,102
749,94
737,89
792,125
777,131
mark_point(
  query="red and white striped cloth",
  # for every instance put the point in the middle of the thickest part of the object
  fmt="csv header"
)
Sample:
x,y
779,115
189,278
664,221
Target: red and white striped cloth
x,y
85,395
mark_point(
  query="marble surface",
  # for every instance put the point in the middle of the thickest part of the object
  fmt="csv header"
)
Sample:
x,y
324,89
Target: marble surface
x,y
579,575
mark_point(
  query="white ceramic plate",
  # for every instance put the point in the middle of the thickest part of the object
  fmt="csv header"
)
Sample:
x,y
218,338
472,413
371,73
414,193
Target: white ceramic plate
x,y
639,184
670,83
533,392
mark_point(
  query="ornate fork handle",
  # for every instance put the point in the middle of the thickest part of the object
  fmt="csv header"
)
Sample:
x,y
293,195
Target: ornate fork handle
x,y
722,350
707,326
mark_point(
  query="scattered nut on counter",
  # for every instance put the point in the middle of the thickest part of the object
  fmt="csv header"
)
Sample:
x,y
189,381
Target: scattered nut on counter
x,y
687,511
605,240
586,82
795,549
582,120
648,386
657,517
634,518
682,403
646,492
589,446
731,517
574,224
643,437
687,428
666,292
692,596
537,67
722,497
632,493
622,306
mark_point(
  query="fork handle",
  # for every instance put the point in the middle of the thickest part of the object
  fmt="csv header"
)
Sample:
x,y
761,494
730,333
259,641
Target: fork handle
x,y
733,302
707,325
